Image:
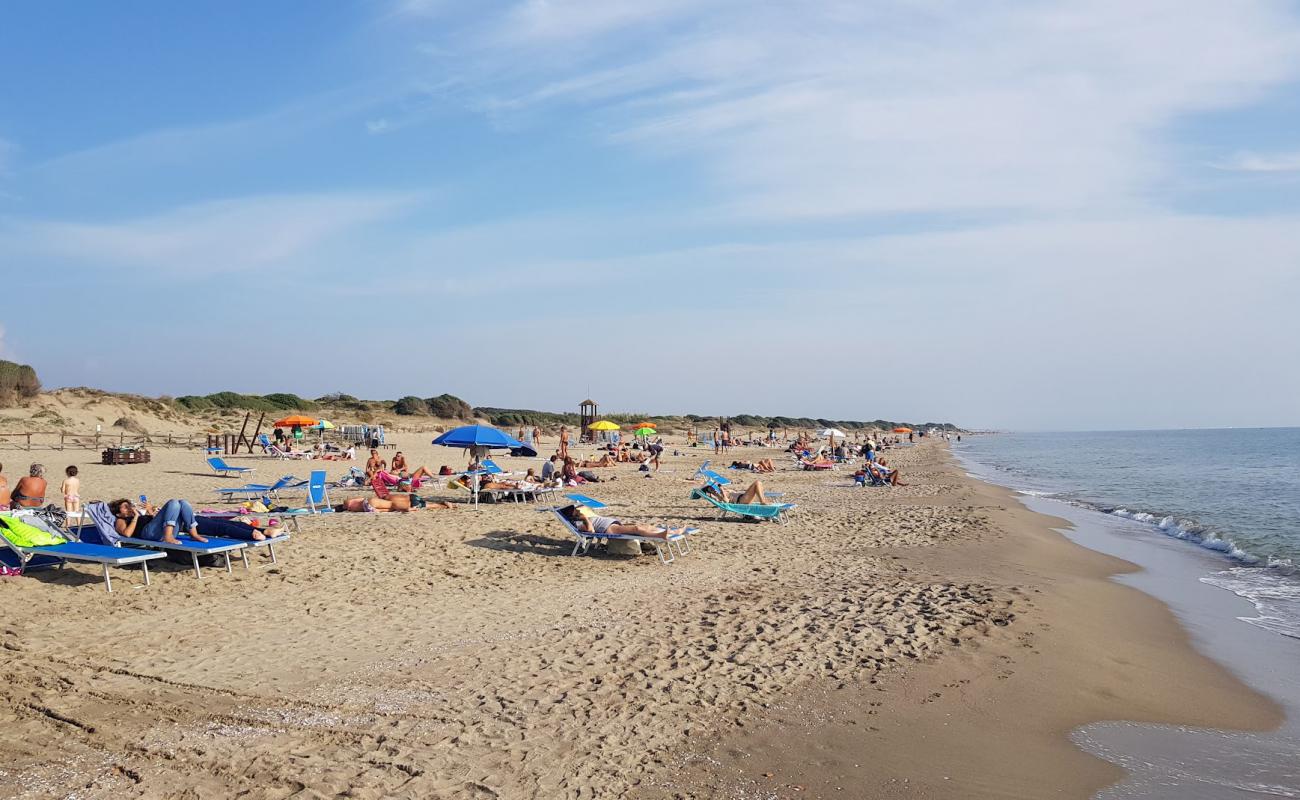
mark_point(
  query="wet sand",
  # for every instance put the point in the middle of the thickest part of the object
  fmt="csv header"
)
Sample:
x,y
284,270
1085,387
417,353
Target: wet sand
x,y
933,640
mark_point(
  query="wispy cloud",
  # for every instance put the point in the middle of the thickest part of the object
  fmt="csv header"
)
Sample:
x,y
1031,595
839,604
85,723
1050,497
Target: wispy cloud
x,y
843,108
1247,161
223,236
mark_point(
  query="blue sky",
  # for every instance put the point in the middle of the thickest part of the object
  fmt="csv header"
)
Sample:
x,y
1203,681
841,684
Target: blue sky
x,y
1030,214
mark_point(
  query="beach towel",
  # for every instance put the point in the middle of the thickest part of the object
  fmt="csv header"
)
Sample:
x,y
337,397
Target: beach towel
x,y
24,535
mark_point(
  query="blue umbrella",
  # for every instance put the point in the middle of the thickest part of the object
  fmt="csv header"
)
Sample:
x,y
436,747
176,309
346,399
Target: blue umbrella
x,y
480,439
477,436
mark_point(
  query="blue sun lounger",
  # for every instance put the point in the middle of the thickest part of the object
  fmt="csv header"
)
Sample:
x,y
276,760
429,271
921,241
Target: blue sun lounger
x,y
102,532
57,555
257,489
722,480
758,511
586,540
219,464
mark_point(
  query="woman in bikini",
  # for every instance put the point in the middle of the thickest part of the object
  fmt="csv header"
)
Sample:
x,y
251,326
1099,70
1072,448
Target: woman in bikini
x,y
588,521
29,492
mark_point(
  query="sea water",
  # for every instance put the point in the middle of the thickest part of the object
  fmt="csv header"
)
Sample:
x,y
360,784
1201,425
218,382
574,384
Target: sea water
x,y
1200,512
1232,491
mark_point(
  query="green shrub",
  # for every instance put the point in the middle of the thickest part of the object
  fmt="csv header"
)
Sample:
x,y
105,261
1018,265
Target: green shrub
x,y
449,406
411,406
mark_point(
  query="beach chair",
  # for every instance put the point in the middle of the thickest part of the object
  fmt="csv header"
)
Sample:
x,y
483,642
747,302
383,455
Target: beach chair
x,y
264,442
219,464
258,489
285,455
756,511
700,473
869,478
318,493
722,480
57,555
586,540
102,532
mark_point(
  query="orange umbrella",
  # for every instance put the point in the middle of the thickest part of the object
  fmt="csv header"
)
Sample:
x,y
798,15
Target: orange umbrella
x,y
297,420
902,430
645,425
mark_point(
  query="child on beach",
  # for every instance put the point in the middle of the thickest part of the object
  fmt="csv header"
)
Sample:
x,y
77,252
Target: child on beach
x,y
71,491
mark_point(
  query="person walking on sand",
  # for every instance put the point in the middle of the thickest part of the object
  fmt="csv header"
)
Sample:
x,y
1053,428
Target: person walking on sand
x,y
537,437
564,443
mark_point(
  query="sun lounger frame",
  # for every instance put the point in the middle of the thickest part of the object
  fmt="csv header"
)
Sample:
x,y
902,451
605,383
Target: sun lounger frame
x,y
89,553
586,540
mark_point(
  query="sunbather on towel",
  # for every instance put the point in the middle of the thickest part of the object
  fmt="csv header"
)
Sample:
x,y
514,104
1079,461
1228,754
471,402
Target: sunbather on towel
x,y
764,465
175,515
588,521
380,504
604,461
754,495
820,462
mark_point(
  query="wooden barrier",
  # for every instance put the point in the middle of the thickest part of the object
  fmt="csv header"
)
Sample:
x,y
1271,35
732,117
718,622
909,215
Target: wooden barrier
x,y
64,440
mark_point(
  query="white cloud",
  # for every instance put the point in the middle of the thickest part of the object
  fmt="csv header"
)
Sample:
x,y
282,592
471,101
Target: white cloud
x,y
843,108
1247,161
222,236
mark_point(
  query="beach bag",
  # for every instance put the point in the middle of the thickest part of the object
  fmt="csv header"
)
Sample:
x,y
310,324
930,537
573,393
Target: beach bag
x,y
24,535
53,515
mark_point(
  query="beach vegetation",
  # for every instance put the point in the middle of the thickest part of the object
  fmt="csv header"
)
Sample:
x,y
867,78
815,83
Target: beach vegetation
x,y
17,382
410,406
449,406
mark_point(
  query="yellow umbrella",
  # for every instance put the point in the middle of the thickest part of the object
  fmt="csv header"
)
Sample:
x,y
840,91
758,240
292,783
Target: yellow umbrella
x,y
603,425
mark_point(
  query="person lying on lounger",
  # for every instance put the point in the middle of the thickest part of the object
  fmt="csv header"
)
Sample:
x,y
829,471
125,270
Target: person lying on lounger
x,y
175,515
588,521
754,495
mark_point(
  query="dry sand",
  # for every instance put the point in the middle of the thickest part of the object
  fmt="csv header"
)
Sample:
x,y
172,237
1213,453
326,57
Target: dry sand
x,y
934,640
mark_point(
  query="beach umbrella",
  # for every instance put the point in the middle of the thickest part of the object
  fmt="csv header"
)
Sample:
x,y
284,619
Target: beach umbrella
x,y
645,425
603,425
833,433
322,426
294,421
479,440
902,430
646,432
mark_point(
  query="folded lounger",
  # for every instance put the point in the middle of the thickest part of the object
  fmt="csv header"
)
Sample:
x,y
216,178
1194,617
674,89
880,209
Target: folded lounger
x,y
586,540
102,532
219,464
26,558
757,511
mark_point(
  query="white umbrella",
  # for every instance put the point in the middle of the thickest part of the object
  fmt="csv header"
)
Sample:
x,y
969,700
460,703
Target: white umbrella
x,y
832,433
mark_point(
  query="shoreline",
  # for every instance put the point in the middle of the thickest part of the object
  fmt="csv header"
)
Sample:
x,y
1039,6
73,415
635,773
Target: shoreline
x,y
467,654
997,718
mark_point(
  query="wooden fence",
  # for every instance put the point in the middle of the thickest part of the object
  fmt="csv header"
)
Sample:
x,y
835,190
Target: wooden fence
x,y
64,440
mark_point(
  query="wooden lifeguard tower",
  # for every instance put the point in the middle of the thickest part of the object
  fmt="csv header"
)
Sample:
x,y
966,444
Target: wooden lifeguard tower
x,y
587,415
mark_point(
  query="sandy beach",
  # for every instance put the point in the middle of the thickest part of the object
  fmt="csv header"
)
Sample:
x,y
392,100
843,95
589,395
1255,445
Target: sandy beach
x,y
929,640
